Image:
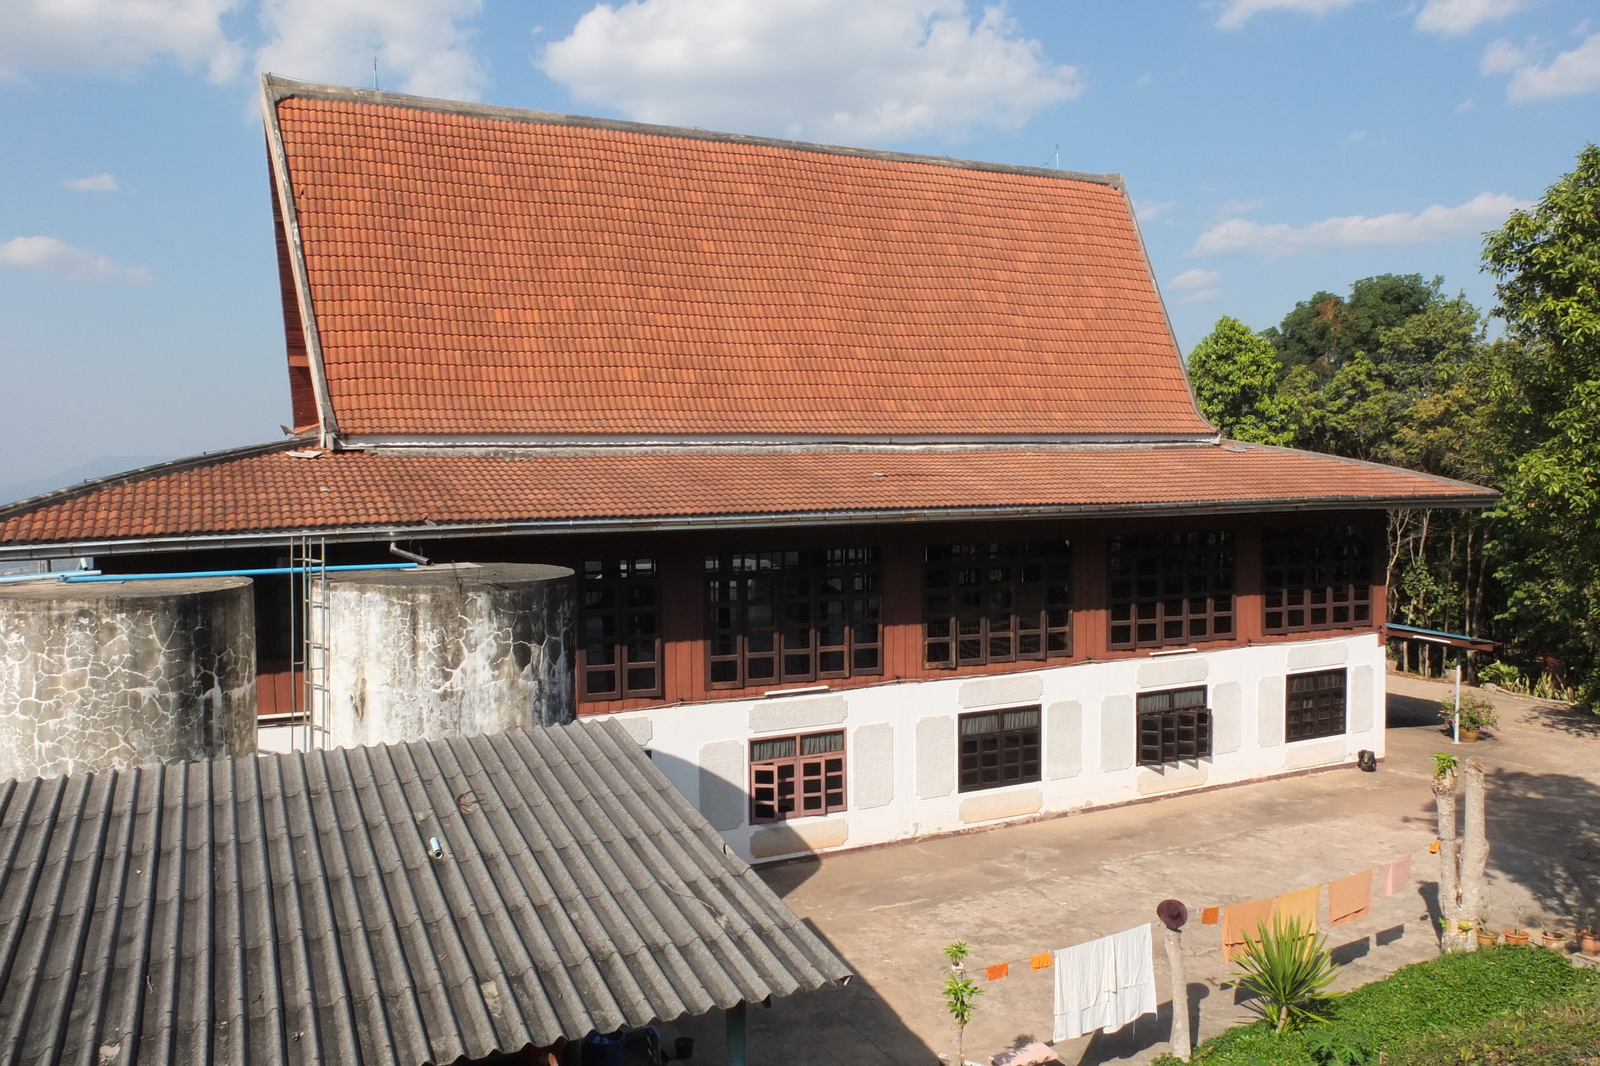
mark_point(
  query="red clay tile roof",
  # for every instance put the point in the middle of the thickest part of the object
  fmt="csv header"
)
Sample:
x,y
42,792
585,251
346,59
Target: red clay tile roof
x,y
477,274
258,493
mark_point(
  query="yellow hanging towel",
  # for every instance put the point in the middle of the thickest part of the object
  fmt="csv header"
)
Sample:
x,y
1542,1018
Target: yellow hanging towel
x,y
1302,905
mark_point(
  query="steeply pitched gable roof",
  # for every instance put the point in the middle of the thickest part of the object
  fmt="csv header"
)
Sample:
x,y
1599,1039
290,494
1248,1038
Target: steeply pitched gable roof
x,y
290,909
486,273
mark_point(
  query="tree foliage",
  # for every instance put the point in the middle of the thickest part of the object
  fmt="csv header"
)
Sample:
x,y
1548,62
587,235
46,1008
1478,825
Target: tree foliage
x,y
1546,262
1235,377
1399,372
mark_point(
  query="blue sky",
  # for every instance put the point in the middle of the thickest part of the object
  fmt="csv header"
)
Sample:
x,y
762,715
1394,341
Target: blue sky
x,y
1274,147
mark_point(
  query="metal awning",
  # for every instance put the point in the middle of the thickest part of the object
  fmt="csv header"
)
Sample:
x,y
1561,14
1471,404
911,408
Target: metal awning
x,y
1396,631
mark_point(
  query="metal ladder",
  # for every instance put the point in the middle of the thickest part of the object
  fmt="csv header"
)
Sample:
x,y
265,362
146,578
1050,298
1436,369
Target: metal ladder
x,y
308,584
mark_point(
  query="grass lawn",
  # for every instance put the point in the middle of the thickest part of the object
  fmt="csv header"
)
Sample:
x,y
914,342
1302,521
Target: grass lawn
x,y
1529,1003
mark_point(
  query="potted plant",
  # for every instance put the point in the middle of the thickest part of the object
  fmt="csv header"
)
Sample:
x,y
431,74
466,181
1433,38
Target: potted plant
x,y
1553,939
1589,935
1517,935
1477,714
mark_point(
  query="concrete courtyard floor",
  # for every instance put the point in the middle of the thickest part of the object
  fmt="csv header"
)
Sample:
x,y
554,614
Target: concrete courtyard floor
x,y
1018,890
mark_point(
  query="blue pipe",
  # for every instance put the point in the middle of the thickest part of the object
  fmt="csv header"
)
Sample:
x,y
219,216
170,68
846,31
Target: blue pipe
x,y
262,571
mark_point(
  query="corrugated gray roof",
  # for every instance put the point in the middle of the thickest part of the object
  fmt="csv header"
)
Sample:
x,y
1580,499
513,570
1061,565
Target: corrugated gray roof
x,y
287,909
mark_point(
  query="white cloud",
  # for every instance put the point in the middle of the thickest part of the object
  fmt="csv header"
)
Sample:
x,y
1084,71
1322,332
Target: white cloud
x,y
1196,279
1568,74
1503,56
1236,13
50,256
1238,236
114,37
93,183
1150,210
422,46
1356,137
1452,18
825,69
1201,297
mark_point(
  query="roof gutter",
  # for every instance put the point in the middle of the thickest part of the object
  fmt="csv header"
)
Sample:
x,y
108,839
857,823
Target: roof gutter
x,y
689,523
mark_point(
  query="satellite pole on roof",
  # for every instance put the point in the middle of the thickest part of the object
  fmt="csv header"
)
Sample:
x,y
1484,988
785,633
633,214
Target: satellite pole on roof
x,y
375,73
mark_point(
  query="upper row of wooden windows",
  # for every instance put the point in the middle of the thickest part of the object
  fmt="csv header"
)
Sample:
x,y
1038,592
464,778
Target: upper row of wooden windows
x,y
775,618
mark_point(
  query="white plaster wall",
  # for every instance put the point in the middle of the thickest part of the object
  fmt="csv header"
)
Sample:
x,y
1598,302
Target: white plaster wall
x,y
1087,737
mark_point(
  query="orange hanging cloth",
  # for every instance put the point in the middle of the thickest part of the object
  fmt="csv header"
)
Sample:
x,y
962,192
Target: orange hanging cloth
x,y
1241,921
998,970
1041,961
1210,915
1350,898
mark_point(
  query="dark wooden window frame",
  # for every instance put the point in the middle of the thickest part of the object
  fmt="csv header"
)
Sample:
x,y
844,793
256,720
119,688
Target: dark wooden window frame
x,y
619,626
1174,726
806,780
996,603
1316,578
776,618
1316,705
998,748
1171,589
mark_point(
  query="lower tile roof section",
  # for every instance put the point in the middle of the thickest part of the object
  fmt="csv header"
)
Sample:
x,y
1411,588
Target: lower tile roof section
x,y
263,493
289,909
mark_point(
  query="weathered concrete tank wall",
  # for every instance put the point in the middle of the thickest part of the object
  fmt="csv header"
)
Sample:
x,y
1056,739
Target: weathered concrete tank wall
x,y
104,675
445,651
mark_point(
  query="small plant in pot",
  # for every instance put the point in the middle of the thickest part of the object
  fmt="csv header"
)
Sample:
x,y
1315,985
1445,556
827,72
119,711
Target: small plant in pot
x,y
1477,714
1487,937
1517,935
1588,935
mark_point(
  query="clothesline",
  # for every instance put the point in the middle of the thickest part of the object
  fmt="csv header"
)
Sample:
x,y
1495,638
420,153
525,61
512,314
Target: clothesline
x,y
1396,874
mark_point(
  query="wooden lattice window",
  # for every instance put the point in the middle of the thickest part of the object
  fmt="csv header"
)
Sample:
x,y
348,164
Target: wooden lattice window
x,y
1319,578
1174,726
796,777
620,654
780,617
999,748
996,603
1315,705
1171,588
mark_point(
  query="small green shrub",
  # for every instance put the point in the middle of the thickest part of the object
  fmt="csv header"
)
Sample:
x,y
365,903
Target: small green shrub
x,y
1503,675
1335,1047
1289,969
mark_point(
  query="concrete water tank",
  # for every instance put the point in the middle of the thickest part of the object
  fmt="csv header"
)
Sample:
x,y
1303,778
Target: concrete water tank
x,y
443,651
115,674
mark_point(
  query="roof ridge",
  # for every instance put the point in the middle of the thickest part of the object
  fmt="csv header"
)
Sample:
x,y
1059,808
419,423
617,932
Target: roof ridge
x,y
277,88
141,473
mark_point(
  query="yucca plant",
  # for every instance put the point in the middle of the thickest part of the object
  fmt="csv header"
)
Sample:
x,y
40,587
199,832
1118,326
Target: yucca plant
x,y
1288,967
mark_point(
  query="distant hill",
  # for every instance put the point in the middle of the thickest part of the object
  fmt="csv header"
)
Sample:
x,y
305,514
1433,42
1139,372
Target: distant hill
x,y
106,464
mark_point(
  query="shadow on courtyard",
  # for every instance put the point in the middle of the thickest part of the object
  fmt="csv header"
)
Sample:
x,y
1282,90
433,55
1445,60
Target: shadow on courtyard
x,y
1543,836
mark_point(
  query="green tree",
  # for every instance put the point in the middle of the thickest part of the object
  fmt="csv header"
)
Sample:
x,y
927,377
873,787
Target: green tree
x,y
1323,332
1235,377
1546,263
